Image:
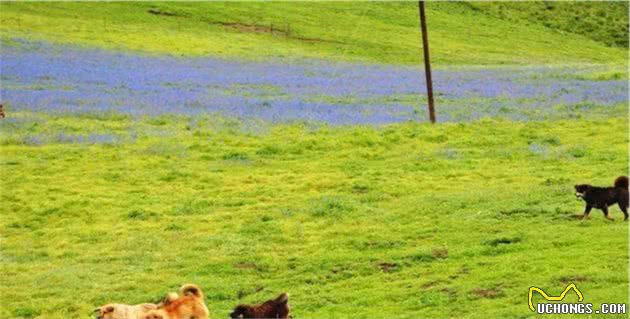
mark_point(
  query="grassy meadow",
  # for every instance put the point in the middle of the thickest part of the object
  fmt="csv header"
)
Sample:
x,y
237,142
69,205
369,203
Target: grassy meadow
x,y
460,34
120,180
408,220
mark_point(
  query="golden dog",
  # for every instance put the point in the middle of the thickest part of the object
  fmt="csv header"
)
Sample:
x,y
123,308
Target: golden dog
x,y
120,311
189,305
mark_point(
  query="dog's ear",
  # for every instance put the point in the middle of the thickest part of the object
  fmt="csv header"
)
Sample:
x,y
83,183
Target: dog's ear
x,y
283,298
170,297
109,309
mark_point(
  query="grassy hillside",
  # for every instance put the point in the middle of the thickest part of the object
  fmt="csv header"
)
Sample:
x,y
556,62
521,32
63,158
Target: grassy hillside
x,y
372,32
605,22
404,221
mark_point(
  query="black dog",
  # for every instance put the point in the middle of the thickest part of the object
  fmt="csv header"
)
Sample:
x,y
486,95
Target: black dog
x,y
602,197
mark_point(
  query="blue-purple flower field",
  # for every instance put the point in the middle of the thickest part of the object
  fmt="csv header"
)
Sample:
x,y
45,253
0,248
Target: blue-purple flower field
x,y
62,79
129,166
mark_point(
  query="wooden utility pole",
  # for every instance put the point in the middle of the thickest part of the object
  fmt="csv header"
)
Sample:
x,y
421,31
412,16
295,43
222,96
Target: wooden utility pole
x,y
427,62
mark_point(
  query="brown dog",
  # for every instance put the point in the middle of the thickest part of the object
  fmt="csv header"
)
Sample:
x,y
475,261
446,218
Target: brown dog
x,y
189,305
120,311
1,112
275,308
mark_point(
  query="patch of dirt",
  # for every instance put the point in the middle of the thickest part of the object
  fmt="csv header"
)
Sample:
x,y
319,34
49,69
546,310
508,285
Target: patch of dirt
x,y
160,12
486,293
440,253
388,267
503,241
565,280
251,28
276,30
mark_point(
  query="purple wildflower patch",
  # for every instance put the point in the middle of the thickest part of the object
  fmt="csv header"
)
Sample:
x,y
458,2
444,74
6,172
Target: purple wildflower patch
x,y
52,78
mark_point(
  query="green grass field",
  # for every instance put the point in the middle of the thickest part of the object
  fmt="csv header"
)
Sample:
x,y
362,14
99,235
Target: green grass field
x,y
404,221
409,220
604,22
371,32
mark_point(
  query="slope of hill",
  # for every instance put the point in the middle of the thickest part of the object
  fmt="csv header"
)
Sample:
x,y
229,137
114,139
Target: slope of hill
x,y
605,22
370,32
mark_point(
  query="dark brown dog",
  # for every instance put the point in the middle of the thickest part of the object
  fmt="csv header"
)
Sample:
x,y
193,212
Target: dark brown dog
x,y
275,308
1,112
602,197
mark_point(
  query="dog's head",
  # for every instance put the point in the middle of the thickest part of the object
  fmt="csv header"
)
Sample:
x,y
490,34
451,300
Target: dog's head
x,y
239,311
282,299
105,312
580,190
282,305
168,299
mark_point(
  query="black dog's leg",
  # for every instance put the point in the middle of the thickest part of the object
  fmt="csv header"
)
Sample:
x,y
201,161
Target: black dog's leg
x,y
605,210
587,211
624,209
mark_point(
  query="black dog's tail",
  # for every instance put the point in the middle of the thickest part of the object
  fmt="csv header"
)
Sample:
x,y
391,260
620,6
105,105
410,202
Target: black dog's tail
x,y
621,182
